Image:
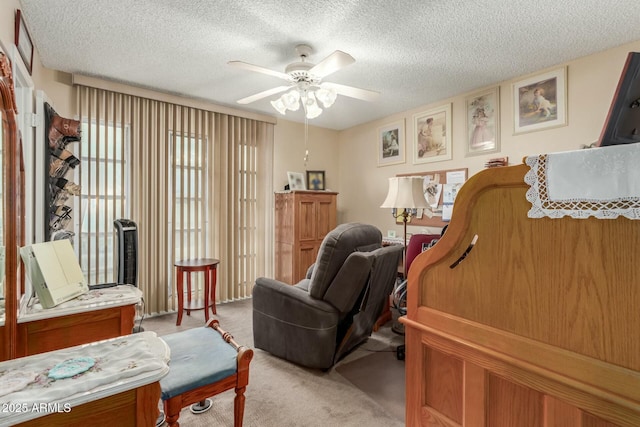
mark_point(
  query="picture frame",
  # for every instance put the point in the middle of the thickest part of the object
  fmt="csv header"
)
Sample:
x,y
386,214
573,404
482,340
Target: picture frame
x,y
483,122
432,135
315,180
621,124
296,181
540,102
23,41
391,144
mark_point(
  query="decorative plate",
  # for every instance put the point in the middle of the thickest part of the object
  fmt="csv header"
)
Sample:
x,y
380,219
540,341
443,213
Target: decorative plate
x,y
71,367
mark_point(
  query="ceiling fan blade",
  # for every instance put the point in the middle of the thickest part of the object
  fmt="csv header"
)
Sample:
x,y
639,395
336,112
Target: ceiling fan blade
x,y
332,63
259,69
263,94
353,92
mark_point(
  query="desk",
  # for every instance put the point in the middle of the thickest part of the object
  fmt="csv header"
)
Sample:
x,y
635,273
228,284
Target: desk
x,y
207,265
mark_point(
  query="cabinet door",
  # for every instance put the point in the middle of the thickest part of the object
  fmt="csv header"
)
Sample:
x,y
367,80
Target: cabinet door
x,y
306,256
307,219
326,216
284,218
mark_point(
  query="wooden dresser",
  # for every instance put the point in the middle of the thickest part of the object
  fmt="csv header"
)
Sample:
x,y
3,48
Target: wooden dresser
x,y
537,326
302,219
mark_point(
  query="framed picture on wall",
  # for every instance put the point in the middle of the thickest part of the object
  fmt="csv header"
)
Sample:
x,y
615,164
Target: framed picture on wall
x,y
483,122
432,135
540,102
391,144
23,41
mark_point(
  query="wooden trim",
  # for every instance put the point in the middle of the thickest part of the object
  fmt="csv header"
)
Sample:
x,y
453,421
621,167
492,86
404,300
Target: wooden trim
x,y
604,378
475,380
521,369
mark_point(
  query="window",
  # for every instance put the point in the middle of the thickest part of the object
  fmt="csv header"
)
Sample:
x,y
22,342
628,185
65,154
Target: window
x,y
189,190
196,182
103,177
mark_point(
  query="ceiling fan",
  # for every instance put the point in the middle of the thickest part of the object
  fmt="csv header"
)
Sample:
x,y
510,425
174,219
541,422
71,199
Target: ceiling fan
x,y
305,81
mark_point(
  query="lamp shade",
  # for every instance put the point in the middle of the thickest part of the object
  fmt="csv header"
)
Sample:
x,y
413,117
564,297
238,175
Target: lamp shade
x,y
290,100
278,104
311,106
405,192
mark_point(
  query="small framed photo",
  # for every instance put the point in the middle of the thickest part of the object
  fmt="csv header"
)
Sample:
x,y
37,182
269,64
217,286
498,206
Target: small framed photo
x,y
296,181
483,122
540,102
23,41
315,180
391,144
432,135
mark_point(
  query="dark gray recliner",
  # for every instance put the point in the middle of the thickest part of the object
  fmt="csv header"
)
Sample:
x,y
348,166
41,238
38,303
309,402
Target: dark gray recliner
x,y
318,320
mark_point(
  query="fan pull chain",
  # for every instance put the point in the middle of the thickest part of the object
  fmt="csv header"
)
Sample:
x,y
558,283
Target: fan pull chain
x,y
306,141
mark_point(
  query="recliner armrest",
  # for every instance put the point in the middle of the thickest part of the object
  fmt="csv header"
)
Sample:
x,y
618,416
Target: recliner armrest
x,y
291,303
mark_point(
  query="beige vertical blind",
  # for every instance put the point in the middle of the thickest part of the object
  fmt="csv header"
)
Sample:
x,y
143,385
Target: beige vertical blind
x,y
195,182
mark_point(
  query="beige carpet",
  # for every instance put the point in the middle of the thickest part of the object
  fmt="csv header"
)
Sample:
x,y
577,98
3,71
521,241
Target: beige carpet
x,y
377,374
283,394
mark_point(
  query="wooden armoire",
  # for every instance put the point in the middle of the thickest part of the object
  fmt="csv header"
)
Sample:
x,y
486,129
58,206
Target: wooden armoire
x,y
302,219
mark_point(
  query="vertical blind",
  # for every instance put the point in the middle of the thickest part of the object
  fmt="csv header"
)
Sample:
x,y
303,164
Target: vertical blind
x,y
195,182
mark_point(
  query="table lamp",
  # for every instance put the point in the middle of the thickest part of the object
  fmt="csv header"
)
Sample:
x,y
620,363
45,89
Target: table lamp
x,y
405,196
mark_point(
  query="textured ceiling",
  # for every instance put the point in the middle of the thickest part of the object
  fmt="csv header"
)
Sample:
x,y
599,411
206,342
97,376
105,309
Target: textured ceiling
x,y
413,52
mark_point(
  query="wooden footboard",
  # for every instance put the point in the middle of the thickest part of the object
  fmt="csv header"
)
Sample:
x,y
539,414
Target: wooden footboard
x,y
535,326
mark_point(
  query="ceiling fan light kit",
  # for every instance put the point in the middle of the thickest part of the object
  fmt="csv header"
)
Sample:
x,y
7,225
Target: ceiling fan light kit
x,y
305,82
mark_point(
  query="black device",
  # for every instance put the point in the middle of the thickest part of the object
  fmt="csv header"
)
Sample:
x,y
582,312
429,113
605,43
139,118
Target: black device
x,y
127,256
102,286
127,247
622,125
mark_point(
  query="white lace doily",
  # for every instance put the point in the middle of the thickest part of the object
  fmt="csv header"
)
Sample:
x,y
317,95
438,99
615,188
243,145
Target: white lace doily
x,y
600,182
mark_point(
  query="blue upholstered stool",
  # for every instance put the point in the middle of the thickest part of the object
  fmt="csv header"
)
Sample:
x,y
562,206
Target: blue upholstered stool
x,y
204,362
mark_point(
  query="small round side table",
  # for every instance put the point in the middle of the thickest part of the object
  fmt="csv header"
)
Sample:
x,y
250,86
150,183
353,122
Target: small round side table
x,y
209,267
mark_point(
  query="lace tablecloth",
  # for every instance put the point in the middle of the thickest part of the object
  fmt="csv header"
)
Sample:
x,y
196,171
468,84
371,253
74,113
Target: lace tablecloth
x,y
599,182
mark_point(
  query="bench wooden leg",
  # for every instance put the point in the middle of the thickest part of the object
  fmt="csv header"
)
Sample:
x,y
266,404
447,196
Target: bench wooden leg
x,y
172,408
238,407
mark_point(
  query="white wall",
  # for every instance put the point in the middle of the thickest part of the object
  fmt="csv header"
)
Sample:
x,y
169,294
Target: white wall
x,y
591,83
289,153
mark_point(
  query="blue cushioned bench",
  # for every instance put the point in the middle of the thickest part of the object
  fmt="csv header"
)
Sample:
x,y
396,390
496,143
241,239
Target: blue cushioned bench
x,y
204,362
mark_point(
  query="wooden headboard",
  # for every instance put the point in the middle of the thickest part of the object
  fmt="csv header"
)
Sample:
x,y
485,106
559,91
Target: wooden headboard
x,y
539,325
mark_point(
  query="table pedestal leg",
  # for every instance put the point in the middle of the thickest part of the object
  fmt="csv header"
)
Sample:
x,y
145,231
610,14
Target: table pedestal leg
x,y
180,291
214,279
206,295
188,293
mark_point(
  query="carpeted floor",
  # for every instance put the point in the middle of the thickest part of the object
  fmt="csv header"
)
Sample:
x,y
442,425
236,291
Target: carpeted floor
x,y
365,388
377,375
